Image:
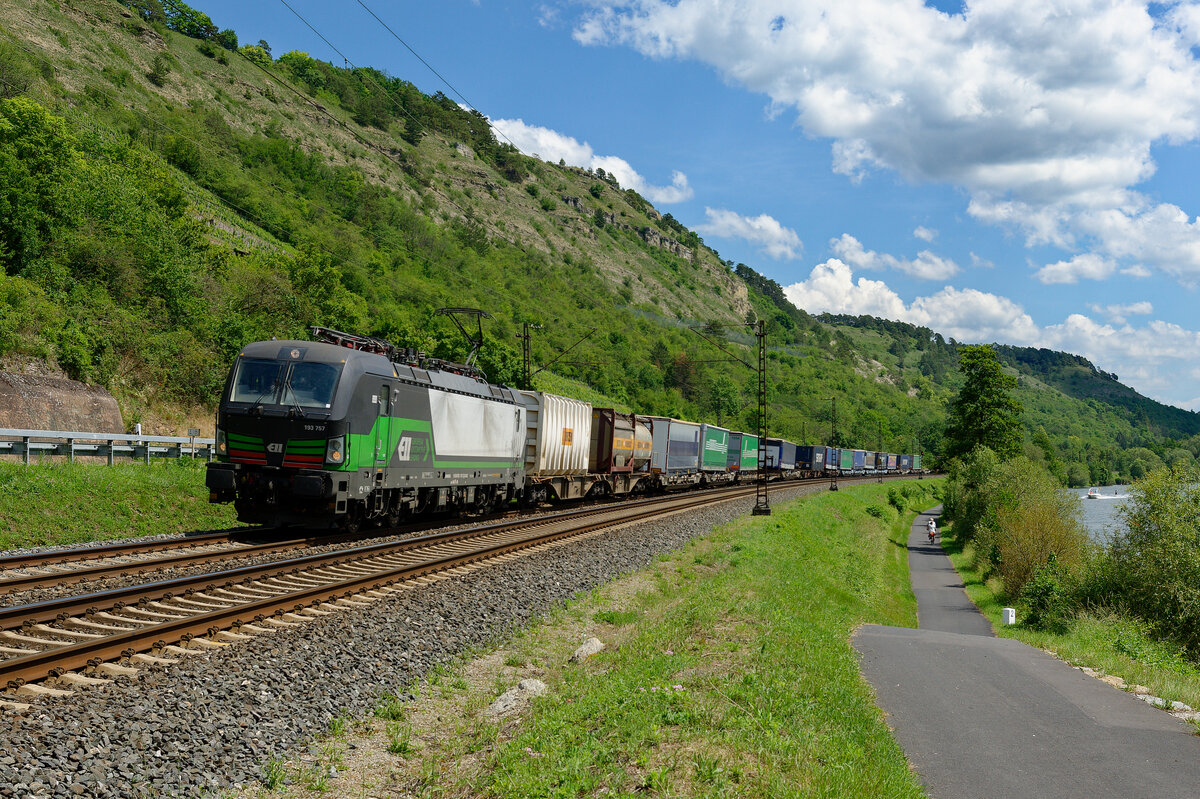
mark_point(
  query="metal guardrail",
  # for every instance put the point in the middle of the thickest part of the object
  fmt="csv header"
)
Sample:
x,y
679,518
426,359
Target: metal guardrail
x,y
103,445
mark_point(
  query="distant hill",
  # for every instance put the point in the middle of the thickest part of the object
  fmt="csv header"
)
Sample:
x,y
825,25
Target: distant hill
x,y
1077,377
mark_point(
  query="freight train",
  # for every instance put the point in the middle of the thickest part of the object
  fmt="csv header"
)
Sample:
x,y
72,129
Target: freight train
x,y
347,430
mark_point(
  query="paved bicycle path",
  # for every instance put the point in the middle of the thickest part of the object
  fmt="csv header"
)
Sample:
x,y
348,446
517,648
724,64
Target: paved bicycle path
x,y
980,716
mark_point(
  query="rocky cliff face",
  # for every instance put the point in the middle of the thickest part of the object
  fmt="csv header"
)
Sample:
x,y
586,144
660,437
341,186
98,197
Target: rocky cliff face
x,y
38,402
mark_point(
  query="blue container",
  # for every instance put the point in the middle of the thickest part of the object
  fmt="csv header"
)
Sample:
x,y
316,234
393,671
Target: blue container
x,y
811,459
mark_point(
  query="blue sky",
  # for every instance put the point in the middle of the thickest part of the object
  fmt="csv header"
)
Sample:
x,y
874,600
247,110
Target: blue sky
x,y
1019,171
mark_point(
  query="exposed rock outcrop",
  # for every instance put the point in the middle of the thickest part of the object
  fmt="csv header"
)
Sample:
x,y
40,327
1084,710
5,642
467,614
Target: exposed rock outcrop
x,y
38,402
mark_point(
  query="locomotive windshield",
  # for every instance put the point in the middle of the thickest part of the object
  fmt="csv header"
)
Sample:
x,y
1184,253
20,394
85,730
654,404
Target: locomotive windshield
x,y
270,382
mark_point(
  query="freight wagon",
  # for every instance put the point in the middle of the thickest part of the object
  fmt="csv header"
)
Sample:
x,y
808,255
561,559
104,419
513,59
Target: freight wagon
x,y
743,453
749,453
810,461
675,452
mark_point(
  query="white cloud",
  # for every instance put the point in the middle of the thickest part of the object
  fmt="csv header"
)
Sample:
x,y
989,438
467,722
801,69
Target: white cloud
x,y
1117,314
1151,357
831,288
552,146
927,265
764,231
980,263
1044,112
925,234
1088,265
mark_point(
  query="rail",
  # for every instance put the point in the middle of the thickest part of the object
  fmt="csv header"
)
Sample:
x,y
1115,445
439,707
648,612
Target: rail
x,y
134,446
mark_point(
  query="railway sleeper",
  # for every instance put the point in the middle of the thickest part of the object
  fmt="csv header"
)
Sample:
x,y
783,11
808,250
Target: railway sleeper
x,y
87,624
152,660
116,670
36,691
75,635
76,680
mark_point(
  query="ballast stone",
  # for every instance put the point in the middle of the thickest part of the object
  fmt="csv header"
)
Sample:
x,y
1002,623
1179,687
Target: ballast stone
x,y
514,697
588,648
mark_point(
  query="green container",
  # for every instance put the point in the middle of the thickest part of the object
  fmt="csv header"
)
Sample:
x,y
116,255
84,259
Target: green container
x,y
749,453
714,448
846,459
916,461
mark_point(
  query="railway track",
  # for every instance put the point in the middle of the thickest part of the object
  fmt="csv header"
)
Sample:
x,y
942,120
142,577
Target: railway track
x,y
61,639
52,569
49,647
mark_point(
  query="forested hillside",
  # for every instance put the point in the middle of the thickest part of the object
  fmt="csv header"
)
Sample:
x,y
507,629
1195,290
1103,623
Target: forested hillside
x,y
1080,421
170,191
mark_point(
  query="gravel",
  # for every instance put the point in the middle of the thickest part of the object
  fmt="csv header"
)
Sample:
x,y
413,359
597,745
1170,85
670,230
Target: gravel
x,y
212,721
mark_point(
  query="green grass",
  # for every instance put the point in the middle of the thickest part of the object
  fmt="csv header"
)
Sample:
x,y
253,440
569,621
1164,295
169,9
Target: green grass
x,y
1099,639
733,674
74,503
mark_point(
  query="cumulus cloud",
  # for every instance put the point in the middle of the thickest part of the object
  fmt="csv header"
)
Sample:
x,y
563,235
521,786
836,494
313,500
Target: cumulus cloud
x,y
1044,113
1088,265
1117,314
550,145
1150,357
926,265
831,288
763,231
925,234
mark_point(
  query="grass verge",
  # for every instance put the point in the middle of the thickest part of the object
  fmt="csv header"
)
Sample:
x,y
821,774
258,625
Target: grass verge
x,y
64,503
1102,640
727,671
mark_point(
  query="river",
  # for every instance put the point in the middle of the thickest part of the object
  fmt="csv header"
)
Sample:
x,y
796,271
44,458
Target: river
x,y
1100,515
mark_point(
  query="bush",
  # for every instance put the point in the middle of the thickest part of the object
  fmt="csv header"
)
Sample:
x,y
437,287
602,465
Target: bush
x,y
1031,520
1157,555
1047,597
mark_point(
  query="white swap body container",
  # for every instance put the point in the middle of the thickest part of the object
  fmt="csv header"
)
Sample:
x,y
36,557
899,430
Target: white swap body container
x,y
558,434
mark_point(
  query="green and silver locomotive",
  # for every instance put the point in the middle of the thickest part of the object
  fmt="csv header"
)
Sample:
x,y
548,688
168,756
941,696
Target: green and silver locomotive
x,y
347,429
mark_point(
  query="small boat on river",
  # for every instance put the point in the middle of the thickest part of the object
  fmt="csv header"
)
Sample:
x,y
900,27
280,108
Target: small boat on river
x,y
1093,494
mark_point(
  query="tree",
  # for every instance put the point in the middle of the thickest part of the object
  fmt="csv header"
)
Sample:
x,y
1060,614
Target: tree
x,y
984,413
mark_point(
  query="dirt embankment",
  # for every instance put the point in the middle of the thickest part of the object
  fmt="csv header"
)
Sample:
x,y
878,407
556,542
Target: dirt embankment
x,y
40,402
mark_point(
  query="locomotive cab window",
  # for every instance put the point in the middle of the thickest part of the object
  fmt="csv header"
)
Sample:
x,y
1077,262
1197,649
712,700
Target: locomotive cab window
x,y
311,385
306,384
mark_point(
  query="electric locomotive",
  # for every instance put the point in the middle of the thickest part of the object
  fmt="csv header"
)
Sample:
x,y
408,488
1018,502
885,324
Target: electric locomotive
x,y
349,428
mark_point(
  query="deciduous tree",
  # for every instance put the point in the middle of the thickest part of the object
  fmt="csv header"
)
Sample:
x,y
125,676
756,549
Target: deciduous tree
x,y
984,413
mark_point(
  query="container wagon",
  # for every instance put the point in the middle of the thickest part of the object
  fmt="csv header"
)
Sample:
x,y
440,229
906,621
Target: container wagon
x,y
733,461
905,463
558,435
845,460
810,460
893,462
619,454
675,452
781,458
916,462
749,453
714,454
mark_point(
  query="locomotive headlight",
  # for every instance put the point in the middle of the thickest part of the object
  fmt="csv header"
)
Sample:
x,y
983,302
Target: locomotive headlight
x,y
222,447
335,450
